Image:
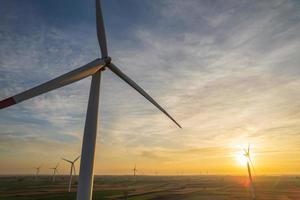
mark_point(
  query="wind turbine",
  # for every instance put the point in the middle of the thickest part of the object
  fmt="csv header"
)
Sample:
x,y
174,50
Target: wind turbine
x,y
71,170
94,69
55,171
37,171
134,170
247,155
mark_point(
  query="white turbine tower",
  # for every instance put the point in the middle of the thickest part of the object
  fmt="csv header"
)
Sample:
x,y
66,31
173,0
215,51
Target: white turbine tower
x,y
55,171
249,162
71,170
94,69
37,171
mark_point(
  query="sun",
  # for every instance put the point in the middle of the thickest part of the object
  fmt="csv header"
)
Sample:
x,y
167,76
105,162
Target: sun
x,y
241,159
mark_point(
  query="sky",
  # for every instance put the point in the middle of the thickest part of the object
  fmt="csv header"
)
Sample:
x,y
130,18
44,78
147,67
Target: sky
x,y
228,71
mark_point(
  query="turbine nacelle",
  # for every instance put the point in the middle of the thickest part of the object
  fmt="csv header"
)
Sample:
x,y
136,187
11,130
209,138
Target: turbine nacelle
x,y
107,61
247,152
247,155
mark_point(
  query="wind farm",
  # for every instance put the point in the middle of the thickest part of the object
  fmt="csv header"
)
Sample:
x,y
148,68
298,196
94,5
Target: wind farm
x,y
94,69
199,100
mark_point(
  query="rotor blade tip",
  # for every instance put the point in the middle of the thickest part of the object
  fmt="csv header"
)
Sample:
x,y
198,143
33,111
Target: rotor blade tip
x,y
140,90
101,30
7,102
179,126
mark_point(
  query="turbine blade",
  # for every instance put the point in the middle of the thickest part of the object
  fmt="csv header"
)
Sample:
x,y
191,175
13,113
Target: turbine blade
x,y
101,29
124,77
76,159
67,160
53,84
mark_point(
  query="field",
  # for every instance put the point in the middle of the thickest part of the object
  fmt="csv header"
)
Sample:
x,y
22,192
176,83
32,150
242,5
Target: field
x,y
153,188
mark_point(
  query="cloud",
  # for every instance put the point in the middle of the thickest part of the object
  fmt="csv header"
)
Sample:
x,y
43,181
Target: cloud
x,y
228,72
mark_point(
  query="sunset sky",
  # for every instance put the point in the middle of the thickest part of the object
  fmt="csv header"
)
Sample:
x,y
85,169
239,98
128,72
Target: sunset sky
x,y
228,71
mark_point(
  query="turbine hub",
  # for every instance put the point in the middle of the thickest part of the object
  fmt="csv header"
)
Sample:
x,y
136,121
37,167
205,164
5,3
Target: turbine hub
x,y
107,60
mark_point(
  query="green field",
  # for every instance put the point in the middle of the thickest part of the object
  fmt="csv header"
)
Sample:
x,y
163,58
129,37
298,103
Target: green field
x,y
153,188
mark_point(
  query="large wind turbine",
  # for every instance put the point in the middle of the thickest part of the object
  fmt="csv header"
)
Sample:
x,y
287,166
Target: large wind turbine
x,y
71,170
37,171
249,162
94,69
55,171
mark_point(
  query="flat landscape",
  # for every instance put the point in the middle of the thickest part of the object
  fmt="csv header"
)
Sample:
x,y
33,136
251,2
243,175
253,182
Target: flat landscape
x,y
153,188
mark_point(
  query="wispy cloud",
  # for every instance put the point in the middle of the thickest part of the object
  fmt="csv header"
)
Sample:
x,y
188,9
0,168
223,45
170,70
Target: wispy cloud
x,y
227,71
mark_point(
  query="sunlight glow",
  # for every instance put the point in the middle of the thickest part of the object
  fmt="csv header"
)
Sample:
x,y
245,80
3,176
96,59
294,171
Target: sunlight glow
x,y
241,159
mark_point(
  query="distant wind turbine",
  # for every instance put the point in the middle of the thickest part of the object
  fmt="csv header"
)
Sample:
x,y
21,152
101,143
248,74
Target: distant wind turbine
x,y
37,171
134,170
249,162
55,171
94,69
71,170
